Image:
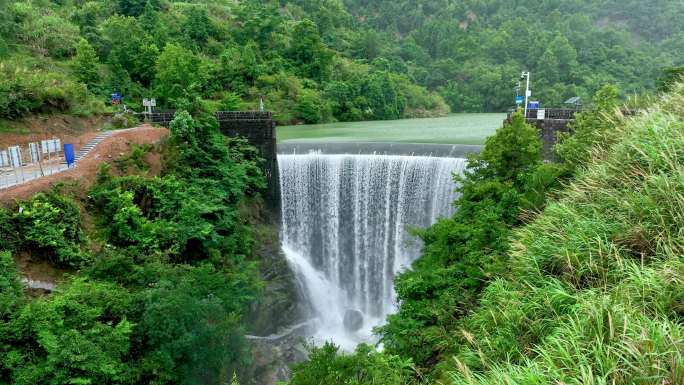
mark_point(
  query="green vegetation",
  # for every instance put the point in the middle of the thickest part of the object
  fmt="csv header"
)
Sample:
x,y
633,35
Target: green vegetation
x,y
199,56
161,274
550,273
326,61
472,51
365,367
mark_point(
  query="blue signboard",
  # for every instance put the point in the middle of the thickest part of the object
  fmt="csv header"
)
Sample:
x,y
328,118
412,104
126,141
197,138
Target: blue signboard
x,y
519,99
116,98
533,105
69,155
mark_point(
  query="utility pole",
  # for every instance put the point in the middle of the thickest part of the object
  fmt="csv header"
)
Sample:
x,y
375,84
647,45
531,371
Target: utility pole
x,y
528,93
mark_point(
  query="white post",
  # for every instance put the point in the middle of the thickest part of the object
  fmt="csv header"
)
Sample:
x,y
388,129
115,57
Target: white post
x,y
527,90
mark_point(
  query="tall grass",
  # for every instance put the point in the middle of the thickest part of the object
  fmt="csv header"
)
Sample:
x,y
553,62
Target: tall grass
x,y
599,294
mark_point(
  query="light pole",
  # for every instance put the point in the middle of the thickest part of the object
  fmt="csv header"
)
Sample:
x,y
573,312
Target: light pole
x,y
528,93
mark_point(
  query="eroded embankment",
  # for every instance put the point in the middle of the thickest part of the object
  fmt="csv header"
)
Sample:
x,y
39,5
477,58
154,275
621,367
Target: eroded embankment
x,y
117,145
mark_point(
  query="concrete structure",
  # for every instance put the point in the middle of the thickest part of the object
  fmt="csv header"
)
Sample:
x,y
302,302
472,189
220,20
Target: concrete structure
x,y
162,118
550,122
368,148
258,127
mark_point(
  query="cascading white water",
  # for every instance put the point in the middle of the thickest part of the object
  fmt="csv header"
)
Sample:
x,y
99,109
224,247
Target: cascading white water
x,y
345,230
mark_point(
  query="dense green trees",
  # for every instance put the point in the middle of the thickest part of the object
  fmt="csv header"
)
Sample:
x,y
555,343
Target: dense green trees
x,y
179,75
192,55
86,64
164,281
472,51
364,367
467,53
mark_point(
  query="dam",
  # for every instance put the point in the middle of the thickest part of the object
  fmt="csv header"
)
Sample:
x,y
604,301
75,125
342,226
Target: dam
x,y
346,223
346,211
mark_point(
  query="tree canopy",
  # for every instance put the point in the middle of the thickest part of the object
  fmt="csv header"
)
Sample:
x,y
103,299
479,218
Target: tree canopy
x,y
351,59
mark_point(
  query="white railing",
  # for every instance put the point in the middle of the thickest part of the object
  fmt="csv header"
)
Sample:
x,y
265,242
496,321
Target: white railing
x,y
21,164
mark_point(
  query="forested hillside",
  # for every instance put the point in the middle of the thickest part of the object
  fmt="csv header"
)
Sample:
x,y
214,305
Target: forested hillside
x,y
472,51
324,60
68,56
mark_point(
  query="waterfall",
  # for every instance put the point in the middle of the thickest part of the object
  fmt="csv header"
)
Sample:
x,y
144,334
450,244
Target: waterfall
x,y
345,230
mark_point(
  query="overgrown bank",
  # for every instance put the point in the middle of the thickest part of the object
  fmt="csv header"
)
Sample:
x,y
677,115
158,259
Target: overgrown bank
x,y
161,274
549,273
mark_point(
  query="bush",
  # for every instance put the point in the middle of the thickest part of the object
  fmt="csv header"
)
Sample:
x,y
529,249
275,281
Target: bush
x,y
11,288
180,75
79,336
191,325
44,32
309,107
124,120
364,367
50,227
9,231
23,92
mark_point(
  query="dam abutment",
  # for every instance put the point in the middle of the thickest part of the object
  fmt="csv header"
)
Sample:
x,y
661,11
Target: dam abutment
x,y
259,128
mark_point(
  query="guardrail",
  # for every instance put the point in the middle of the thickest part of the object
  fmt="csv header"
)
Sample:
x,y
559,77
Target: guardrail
x,y
551,113
244,115
20,164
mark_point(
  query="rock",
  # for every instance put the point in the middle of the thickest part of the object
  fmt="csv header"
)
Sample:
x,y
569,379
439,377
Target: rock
x,y
353,320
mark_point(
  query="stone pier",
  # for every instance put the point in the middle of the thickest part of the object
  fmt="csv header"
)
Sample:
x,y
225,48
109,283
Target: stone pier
x,y
550,123
259,129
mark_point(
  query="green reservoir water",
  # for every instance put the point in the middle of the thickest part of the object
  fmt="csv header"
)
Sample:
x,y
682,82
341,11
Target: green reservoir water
x,y
452,129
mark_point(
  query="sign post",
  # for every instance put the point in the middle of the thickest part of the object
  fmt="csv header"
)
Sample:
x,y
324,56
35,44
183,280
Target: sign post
x,y
528,92
541,114
116,98
149,104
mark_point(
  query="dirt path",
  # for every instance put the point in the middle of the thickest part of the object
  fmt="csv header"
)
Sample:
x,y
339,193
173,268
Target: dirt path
x,y
117,145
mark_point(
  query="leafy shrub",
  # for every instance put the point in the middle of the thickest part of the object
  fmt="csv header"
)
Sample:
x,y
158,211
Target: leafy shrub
x,y
191,213
50,227
310,108
364,367
230,102
135,159
191,325
9,231
180,74
11,289
124,120
79,336
23,92
590,128
44,31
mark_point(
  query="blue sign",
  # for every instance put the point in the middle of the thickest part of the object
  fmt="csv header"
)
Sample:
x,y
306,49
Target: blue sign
x,y
533,105
519,99
69,155
116,98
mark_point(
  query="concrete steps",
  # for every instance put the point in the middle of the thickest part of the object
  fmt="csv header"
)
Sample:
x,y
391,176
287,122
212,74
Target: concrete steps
x,y
83,151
